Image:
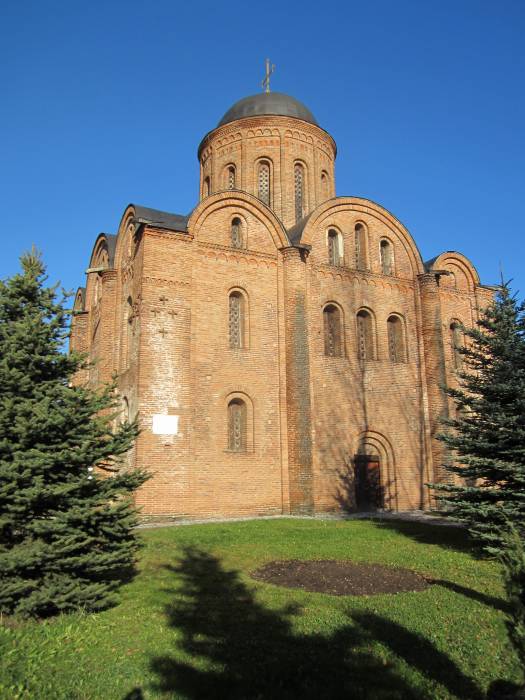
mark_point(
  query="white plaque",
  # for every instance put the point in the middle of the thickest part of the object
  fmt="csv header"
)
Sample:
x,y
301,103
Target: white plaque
x,y
165,425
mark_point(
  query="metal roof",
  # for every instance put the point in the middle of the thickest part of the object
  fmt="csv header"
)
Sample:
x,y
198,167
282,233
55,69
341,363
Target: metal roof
x,y
160,219
268,103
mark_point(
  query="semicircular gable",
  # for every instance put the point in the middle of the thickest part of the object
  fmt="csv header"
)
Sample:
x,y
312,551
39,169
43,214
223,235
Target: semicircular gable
x,y
320,217
80,301
125,230
459,265
103,253
235,200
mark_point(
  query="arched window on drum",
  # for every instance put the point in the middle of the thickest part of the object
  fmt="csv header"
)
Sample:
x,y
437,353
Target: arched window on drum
x,y
299,183
263,182
237,321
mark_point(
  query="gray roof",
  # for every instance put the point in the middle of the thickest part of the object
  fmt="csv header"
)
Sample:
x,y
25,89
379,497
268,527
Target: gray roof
x,y
111,243
111,240
295,233
429,264
160,219
268,103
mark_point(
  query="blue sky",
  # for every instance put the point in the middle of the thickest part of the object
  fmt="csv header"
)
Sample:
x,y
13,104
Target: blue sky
x,y
104,103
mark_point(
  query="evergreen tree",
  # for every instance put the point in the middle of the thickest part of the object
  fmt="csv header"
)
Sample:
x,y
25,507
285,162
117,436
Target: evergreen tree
x,y
487,437
513,560
66,534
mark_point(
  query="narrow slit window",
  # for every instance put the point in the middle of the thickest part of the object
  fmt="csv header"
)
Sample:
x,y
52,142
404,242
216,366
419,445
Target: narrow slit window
x,y
332,331
236,320
365,337
237,426
236,233
230,178
333,248
206,191
456,342
264,182
396,344
386,258
299,191
324,186
360,247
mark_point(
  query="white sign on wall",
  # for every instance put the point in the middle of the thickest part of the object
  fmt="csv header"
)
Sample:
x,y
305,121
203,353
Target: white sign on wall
x,y
165,425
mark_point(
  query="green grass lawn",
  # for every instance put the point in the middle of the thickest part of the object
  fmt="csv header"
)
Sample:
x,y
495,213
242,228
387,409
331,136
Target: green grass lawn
x,y
193,624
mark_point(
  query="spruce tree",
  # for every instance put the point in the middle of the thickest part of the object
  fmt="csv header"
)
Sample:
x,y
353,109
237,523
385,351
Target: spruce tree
x,y
67,536
487,437
513,560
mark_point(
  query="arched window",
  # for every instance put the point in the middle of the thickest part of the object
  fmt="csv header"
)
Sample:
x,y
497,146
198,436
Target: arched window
x,y
124,413
97,289
263,182
230,177
456,342
365,336
333,345
299,191
236,233
128,320
237,425
396,340
360,246
333,248
324,186
236,320
387,262
206,188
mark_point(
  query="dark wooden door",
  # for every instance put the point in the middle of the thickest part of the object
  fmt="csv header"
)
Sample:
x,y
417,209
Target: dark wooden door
x,y
368,493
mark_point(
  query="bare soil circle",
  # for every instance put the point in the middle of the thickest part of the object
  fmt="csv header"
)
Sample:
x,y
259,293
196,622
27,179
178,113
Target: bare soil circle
x,y
340,577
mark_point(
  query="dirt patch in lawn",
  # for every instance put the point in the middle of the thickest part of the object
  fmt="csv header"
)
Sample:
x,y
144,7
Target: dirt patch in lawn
x,y
340,577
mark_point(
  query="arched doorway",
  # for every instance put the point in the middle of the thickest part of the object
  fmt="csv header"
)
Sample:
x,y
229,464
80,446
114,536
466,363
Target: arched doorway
x,y
367,479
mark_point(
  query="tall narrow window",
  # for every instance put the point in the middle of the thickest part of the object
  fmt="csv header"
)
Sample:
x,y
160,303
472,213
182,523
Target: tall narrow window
x,y
129,331
237,426
386,257
456,342
360,247
365,336
396,343
324,186
206,187
230,177
333,248
263,178
332,331
236,320
299,191
236,233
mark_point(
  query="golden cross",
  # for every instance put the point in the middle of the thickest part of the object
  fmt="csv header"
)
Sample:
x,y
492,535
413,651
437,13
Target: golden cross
x,y
269,70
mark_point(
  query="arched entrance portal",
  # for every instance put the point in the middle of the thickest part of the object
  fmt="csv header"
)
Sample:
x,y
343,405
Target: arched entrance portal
x,y
367,479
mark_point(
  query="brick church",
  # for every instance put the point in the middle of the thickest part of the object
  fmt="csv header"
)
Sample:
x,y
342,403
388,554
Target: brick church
x,y
284,348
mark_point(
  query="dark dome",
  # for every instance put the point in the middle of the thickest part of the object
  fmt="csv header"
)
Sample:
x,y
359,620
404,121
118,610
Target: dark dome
x,y
268,103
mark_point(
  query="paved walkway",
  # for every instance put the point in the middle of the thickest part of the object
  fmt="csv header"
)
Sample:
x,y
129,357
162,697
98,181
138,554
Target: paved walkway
x,y
409,516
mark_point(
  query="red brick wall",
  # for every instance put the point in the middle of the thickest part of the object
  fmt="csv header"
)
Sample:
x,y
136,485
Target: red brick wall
x,y
308,415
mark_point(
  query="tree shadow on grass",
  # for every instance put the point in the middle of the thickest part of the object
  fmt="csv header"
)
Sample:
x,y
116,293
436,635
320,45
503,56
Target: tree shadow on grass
x,y
242,649
445,536
491,601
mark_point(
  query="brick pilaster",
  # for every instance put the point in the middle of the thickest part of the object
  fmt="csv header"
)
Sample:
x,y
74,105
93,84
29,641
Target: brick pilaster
x,y
298,382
